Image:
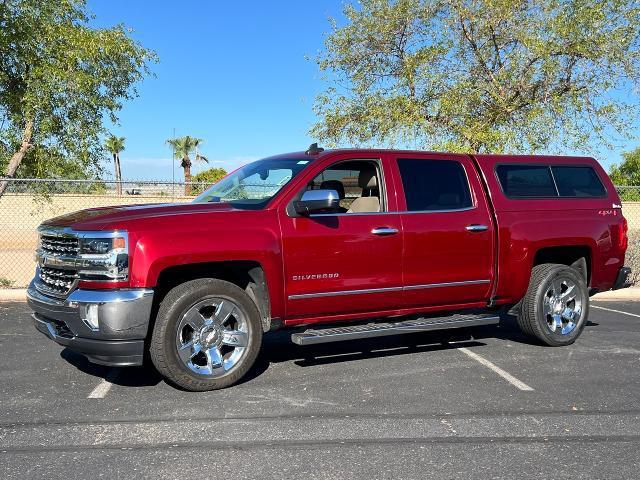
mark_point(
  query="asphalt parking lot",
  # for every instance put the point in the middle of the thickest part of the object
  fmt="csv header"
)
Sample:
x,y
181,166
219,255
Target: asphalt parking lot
x,y
482,403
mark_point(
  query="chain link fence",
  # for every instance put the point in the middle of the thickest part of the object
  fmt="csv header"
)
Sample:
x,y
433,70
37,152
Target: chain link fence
x,y
28,202
630,196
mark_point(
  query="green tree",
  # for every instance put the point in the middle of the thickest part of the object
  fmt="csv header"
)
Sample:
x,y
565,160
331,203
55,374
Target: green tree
x,y
59,80
480,75
207,177
627,174
183,147
115,145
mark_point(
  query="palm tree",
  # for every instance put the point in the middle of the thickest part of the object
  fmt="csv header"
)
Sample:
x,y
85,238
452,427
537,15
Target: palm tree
x,y
115,145
182,149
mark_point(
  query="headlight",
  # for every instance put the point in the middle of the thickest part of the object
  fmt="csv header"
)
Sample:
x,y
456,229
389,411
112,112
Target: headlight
x,y
103,257
101,246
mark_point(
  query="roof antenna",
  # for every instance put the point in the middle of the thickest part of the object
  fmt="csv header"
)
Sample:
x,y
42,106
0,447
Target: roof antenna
x,y
314,149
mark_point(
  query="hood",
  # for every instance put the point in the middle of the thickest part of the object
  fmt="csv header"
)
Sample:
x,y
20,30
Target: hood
x,y
117,217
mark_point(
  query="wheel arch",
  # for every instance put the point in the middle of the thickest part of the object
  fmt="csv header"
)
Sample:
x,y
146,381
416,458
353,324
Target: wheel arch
x,y
579,257
246,274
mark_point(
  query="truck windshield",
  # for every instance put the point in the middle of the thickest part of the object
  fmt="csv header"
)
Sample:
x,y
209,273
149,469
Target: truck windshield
x,y
253,185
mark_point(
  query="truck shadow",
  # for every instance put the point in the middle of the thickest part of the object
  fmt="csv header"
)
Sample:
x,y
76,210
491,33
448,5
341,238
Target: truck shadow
x,y
278,348
144,376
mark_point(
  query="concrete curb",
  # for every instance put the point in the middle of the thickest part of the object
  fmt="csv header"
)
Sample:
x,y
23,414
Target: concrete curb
x,y
13,294
631,294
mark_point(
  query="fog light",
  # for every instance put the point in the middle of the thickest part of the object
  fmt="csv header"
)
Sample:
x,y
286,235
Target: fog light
x,y
89,315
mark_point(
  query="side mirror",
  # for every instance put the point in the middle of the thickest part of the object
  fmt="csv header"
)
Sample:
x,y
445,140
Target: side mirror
x,y
317,201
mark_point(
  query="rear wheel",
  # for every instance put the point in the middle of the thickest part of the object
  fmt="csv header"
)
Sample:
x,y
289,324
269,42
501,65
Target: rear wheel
x,y
556,305
207,335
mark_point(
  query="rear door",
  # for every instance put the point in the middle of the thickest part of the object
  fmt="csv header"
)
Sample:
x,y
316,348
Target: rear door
x,y
448,231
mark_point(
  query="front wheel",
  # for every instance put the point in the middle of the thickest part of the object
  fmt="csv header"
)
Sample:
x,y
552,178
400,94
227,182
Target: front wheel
x,y
207,335
556,305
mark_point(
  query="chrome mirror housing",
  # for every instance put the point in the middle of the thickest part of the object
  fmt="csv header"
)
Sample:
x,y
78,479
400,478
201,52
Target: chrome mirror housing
x,y
317,201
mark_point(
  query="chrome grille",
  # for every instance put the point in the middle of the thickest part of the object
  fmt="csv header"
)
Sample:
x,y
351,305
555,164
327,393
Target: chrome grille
x,y
56,281
59,245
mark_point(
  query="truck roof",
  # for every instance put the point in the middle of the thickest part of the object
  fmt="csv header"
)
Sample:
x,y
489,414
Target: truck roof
x,y
481,158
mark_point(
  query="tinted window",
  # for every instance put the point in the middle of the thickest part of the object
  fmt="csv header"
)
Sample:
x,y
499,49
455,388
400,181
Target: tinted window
x,y
526,181
434,185
578,182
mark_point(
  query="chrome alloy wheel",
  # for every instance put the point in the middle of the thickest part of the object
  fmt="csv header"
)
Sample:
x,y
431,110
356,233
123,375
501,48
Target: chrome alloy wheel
x,y
563,304
212,336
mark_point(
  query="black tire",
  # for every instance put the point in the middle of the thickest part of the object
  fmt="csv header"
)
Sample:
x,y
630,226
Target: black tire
x,y
163,345
533,318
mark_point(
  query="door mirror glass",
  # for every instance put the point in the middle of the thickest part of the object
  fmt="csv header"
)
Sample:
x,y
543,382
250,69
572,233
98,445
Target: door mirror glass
x,y
317,201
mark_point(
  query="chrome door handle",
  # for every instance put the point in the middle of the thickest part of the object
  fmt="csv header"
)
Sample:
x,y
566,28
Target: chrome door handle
x,y
476,228
384,231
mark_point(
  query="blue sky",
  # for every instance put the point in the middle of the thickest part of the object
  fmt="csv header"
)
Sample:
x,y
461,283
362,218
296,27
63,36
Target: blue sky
x,y
234,73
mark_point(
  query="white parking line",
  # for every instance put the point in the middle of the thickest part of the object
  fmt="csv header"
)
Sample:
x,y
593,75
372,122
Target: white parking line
x,y
105,385
615,311
506,375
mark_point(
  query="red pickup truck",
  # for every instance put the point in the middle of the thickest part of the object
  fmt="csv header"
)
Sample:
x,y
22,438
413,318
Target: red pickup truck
x,y
334,245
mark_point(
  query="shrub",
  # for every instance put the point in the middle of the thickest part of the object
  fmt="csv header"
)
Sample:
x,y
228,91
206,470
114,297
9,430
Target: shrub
x,y
629,194
206,178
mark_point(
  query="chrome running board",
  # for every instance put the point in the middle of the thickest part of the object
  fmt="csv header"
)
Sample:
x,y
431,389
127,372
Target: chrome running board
x,y
355,332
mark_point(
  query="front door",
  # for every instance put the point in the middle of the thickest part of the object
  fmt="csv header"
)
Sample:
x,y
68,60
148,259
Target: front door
x,y
350,261
448,231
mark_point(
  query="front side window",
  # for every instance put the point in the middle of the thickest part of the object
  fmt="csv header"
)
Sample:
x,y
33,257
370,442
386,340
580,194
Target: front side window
x,y
357,183
432,185
253,185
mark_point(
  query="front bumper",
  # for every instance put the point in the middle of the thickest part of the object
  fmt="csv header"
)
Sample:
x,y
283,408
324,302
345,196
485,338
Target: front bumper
x,y
622,280
123,323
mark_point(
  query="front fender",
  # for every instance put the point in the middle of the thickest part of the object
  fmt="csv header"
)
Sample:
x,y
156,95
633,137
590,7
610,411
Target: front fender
x,y
257,240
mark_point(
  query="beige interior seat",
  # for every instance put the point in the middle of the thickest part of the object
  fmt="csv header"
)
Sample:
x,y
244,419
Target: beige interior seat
x,y
369,201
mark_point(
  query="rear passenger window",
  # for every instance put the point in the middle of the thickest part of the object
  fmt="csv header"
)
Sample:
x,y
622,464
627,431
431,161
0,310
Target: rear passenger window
x,y
578,182
526,181
434,184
